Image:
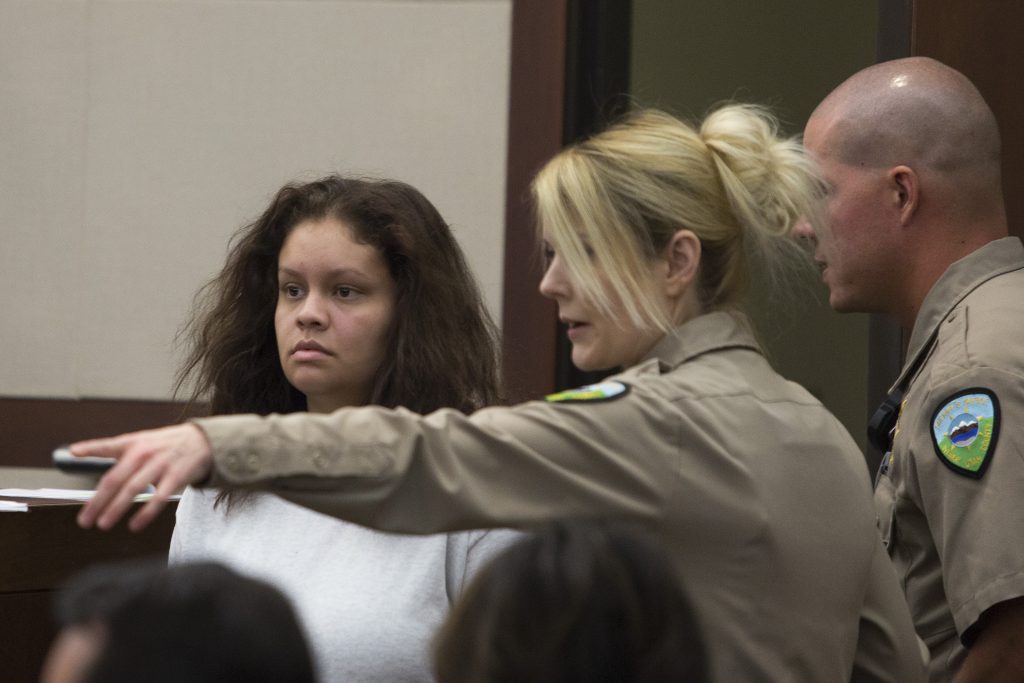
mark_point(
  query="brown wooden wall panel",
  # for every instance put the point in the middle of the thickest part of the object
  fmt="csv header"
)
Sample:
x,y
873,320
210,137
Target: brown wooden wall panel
x,y
31,428
983,40
536,112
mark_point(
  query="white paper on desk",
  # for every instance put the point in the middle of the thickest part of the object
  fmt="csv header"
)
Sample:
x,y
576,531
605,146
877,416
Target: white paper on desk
x,y
13,506
49,494
64,494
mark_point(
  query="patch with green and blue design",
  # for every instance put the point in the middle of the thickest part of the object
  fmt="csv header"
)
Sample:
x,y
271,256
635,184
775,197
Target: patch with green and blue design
x,y
603,391
964,431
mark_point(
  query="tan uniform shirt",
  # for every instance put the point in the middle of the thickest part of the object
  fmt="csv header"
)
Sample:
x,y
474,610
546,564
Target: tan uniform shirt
x,y
760,494
951,495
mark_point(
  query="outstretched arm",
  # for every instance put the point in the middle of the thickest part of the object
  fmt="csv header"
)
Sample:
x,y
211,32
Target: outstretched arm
x,y
395,470
169,458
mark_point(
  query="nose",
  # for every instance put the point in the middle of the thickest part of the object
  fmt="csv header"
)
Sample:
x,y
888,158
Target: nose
x,y
312,313
555,283
803,230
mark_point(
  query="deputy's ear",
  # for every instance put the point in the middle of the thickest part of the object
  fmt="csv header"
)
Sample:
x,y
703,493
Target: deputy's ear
x,y
907,188
682,254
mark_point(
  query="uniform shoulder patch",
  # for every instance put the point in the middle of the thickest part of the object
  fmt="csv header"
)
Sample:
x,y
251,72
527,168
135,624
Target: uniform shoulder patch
x,y
603,391
965,428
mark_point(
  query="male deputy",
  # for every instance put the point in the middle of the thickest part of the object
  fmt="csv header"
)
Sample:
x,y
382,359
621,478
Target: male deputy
x,y
916,229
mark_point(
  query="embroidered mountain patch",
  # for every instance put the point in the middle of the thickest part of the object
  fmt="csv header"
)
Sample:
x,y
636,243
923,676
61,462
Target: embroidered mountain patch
x,y
964,431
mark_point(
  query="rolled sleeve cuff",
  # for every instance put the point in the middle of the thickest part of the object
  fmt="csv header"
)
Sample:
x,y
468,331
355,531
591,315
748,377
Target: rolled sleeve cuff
x,y
966,615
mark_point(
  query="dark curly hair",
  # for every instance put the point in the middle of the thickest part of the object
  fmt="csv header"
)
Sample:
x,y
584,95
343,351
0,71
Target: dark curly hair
x,y
441,344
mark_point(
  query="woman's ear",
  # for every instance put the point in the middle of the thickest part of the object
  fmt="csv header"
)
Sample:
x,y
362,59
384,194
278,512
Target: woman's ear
x,y
682,255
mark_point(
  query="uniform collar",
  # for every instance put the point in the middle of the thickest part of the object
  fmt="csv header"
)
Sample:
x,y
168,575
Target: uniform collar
x,y
960,279
704,334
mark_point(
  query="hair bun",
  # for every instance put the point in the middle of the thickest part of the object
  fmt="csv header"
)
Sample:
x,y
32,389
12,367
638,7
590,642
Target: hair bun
x,y
765,177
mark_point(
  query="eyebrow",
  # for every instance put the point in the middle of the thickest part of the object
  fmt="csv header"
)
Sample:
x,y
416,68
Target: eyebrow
x,y
336,272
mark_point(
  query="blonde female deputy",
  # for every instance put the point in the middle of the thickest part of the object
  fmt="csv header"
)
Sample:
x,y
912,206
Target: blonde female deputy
x,y
757,491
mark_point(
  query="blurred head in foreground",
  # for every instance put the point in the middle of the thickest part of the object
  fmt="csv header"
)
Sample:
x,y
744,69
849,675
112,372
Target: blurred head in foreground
x,y
196,623
574,602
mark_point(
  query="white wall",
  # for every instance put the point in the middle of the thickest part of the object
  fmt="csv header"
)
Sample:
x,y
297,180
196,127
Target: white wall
x,y
136,136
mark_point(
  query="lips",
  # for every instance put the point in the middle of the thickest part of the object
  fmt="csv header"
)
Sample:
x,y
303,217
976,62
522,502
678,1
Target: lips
x,y
307,349
575,327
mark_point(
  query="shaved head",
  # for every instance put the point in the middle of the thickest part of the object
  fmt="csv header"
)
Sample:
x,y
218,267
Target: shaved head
x,y
910,155
914,111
